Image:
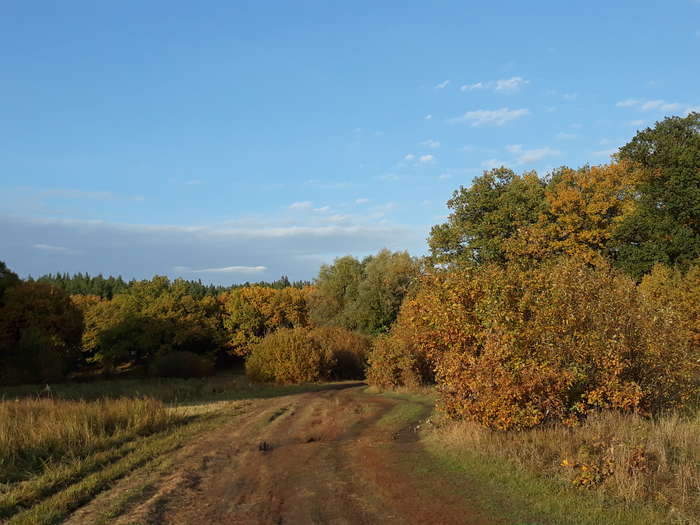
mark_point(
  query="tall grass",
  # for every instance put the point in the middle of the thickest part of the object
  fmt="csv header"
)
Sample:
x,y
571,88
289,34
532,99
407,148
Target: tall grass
x,y
631,459
36,434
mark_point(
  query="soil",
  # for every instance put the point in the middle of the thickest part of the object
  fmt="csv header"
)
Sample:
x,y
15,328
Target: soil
x,y
315,458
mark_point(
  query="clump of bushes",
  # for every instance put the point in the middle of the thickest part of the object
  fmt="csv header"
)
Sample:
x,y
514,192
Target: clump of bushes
x,y
181,364
302,355
513,347
289,355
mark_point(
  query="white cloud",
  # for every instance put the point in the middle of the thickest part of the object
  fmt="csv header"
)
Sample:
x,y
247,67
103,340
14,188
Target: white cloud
x,y
637,123
510,85
56,249
566,136
495,117
660,104
323,209
504,85
470,87
655,104
426,159
390,177
410,156
361,200
493,163
527,156
428,117
442,85
445,176
430,143
629,102
229,269
304,205
570,96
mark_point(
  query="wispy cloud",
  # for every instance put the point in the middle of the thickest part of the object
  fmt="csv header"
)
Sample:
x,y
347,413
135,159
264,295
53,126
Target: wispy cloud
x,y
393,177
428,117
528,156
494,117
442,85
510,85
426,159
55,249
303,205
490,164
445,176
504,85
471,87
361,200
430,143
410,156
656,105
566,136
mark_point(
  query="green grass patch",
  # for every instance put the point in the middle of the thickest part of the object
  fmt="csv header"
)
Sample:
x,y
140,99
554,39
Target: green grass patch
x,y
516,496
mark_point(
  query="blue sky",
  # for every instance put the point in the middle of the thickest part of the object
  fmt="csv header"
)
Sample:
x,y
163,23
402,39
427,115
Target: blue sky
x,y
234,141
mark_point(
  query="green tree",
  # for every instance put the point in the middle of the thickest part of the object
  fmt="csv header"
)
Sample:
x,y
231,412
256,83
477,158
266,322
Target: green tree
x,y
335,290
387,279
485,215
665,224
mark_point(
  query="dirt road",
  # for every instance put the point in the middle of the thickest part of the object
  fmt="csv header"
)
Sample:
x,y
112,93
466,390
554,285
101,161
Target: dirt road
x,y
339,456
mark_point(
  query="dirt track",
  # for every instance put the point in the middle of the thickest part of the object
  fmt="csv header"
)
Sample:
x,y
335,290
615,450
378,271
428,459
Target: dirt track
x,y
330,457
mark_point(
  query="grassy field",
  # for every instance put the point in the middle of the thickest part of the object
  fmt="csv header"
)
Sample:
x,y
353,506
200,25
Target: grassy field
x,y
633,470
57,453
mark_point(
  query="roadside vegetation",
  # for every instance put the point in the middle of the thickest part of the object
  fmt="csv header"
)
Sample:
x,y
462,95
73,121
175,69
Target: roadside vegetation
x,y
557,318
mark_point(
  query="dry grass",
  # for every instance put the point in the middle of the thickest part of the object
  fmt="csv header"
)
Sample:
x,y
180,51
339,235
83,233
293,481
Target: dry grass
x,y
624,456
38,434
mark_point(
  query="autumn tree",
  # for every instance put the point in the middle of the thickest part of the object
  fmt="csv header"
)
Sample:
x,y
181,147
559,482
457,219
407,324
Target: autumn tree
x,y
665,224
584,208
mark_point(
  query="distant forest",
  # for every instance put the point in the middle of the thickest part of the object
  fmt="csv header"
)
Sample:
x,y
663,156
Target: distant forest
x,y
108,287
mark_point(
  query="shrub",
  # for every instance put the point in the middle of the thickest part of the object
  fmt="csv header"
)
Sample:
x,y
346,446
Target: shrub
x,y
512,348
181,364
289,355
349,350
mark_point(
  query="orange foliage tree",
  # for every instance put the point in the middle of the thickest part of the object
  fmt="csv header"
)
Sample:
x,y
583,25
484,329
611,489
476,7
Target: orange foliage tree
x,y
512,347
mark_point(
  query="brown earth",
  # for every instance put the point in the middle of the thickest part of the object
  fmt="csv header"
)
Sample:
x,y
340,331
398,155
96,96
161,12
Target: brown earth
x,y
339,456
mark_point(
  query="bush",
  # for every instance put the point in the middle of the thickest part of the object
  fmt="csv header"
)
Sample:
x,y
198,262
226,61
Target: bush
x,y
181,364
512,348
289,355
349,350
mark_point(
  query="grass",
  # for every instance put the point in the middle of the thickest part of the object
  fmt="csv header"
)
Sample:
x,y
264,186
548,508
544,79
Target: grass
x,y
38,434
56,454
613,468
